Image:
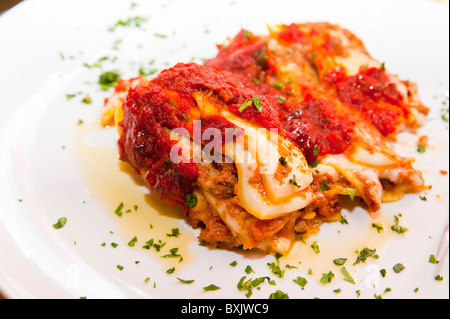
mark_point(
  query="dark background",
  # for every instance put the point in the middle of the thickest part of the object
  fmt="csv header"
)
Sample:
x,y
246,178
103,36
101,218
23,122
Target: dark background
x,y
7,4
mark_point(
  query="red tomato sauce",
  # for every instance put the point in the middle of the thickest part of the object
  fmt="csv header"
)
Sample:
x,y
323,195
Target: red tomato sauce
x,y
191,77
292,34
371,92
146,145
247,59
166,102
317,128
313,123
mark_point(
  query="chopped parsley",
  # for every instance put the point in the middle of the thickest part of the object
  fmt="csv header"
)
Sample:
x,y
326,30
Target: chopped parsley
x,y
343,220
364,254
397,228
316,150
151,243
191,199
444,114
279,295
245,285
249,270
116,44
281,99
190,281
385,292
173,254
347,276
159,245
247,35
398,268
175,233
432,259
135,21
257,103
170,270
291,266
293,181
245,105
132,242
300,281
324,186
211,287
118,210
108,79
315,247
351,192
263,58
282,161
378,227
315,163
339,261
421,148
278,85
146,72
97,64
61,222
326,278
87,100
251,283
275,267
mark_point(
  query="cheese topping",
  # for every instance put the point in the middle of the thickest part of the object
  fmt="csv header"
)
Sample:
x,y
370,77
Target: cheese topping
x,y
273,174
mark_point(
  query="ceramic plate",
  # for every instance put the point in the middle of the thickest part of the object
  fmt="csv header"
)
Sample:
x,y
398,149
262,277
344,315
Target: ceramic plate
x,y
56,161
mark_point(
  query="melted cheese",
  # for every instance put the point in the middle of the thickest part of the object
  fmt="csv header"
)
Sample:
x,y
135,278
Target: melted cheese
x,y
354,60
372,158
267,189
365,179
364,170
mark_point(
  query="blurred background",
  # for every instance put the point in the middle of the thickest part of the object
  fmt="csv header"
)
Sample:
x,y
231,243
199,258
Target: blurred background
x,y
7,4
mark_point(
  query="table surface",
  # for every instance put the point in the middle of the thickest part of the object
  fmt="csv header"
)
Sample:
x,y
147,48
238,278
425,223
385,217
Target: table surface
x,y
7,4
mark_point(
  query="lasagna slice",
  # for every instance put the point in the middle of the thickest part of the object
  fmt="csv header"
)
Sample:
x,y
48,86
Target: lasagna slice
x,y
219,150
346,143
259,143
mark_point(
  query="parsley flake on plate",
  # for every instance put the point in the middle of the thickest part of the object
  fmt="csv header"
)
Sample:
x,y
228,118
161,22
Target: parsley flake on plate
x,y
108,79
61,222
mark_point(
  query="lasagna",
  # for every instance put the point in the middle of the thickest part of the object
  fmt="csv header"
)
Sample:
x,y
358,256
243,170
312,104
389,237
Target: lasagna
x,y
260,143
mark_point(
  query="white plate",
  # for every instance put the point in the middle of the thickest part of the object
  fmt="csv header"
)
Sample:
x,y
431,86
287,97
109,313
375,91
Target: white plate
x,y
51,167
